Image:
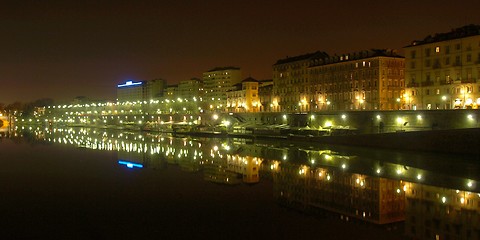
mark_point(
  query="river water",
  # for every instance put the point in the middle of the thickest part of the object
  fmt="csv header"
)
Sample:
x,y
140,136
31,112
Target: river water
x,y
77,183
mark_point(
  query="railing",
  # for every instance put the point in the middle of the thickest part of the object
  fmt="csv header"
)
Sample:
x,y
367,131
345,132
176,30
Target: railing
x,y
410,85
471,80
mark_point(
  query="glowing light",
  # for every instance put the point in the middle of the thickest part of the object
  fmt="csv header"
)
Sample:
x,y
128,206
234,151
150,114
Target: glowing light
x,y
215,116
129,83
328,124
419,176
444,199
344,116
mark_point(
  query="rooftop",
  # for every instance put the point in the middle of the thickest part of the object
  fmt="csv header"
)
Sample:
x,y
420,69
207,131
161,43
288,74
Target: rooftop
x,y
462,32
223,69
356,56
317,54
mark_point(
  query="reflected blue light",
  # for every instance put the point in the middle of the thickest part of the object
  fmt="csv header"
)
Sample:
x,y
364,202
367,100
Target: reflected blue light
x,y
129,83
130,164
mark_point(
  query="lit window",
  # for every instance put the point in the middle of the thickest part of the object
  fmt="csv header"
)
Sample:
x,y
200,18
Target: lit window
x,y
437,49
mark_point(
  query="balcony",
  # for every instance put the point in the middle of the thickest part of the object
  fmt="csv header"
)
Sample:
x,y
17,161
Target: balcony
x,y
427,83
412,85
471,80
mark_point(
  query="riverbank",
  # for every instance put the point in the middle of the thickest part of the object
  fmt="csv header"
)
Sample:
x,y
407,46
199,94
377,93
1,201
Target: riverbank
x,y
454,141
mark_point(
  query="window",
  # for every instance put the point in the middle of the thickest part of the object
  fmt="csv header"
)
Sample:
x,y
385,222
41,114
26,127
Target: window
x,y
437,49
469,57
447,61
427,63
413,54
457,60
427,52
437,91
412,65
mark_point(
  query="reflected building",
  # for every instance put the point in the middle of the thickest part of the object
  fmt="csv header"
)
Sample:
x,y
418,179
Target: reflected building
x,y
247,166
441,213
368,198
431,201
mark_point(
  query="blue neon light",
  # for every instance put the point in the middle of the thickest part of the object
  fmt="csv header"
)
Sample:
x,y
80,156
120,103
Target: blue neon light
x,y
130,164
129,83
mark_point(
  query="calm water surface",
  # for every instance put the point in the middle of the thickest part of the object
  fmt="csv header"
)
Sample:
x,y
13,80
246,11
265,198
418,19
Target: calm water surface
x,y
92,183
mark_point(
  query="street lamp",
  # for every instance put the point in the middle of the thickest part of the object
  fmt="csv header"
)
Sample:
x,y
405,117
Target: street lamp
x,y
444,99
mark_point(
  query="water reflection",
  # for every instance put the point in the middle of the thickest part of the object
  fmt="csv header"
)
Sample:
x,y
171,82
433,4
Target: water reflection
x,y
435,196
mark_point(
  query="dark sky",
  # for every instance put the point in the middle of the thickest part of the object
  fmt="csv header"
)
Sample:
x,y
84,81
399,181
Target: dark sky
x,y
84,48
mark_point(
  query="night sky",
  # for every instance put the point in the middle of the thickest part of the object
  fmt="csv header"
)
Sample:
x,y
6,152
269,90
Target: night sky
x,y
68,49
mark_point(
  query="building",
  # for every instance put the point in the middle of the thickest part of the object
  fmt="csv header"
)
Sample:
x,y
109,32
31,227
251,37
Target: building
x,y
265,90
216,82
441,213
291,83
130,91
190,88
352,196
443,70
140,91
365,80
171,91
245,97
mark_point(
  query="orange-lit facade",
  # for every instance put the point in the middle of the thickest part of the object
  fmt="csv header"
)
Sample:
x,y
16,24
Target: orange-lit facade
x,y
443,71
366,80
245,97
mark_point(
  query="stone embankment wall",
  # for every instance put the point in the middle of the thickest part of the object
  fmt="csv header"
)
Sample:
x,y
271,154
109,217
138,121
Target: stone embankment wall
x,y
363,121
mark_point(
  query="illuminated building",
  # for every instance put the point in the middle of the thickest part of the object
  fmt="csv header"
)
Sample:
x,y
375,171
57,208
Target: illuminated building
x,y
190,88
441,213
291,82
265,90
366,80
216,83
244,98
140,91
443,70
170,92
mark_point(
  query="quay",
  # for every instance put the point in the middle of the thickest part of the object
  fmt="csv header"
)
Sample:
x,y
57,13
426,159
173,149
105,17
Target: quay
x,y
447,131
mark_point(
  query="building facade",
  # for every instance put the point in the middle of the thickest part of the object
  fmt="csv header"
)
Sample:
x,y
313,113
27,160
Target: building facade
x,y
291,84
366,80
265,90
443,71
245,97
216,83
140,91
190,88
